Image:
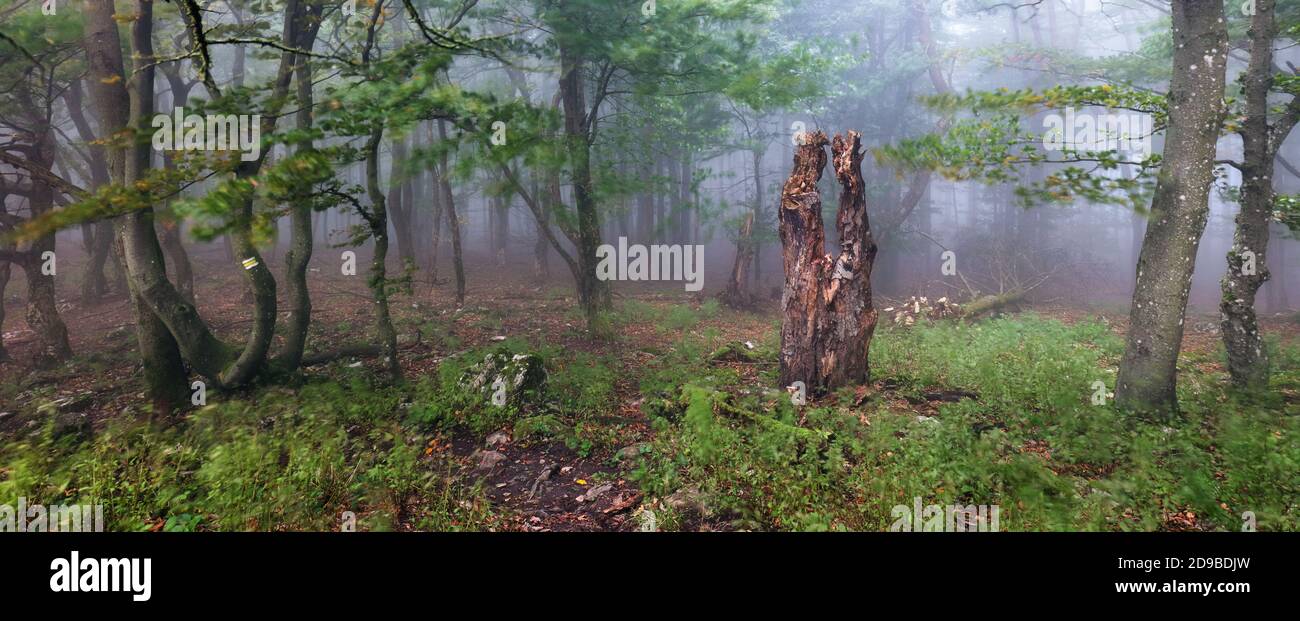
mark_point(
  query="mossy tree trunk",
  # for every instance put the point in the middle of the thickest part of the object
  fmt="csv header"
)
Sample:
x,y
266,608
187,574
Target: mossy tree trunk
x,y
1248,363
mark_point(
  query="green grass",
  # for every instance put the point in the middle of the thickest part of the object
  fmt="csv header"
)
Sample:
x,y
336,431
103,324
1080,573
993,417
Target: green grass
x,y
1031,443
290,460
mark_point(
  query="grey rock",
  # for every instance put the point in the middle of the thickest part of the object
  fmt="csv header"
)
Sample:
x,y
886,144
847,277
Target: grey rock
x,y
522,375
488,459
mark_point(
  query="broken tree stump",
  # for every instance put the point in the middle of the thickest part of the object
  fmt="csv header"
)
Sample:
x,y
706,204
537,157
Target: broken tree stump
x,y
827,315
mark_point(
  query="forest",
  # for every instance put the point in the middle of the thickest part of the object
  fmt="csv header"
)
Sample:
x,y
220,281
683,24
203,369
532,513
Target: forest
x,y
650,265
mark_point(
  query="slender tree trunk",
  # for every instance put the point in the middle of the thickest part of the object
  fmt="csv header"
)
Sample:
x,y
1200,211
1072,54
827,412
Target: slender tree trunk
x,y
437,198
737,293
94,283
501,229
593,294
378,219
1247,269
828,318
1147,372
1278,298
453,221
398,202
298,256
541,248
164,372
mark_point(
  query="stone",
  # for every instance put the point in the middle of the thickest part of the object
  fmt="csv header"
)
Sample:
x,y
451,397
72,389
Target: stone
x,y
487,459
523,377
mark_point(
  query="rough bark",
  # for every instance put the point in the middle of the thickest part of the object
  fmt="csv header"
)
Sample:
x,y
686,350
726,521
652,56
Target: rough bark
x,y
827,315
1147,372
1248,363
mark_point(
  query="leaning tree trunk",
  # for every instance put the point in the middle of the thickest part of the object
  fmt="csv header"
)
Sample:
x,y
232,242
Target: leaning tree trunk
x,y
828,318
1247,269
1148,371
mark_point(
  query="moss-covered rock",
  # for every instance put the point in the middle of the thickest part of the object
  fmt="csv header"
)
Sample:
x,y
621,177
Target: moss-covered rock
x,y
507,380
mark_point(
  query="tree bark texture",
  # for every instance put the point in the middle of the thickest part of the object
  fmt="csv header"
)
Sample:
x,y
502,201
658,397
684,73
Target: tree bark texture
x,y
827,315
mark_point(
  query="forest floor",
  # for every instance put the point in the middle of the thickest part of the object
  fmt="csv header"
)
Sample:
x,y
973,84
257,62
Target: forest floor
x,y
669,420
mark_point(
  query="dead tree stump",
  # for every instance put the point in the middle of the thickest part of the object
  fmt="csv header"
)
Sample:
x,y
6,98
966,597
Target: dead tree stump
x,y
827,315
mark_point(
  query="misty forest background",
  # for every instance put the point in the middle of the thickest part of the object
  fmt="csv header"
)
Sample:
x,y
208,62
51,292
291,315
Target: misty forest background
x,y
1087,338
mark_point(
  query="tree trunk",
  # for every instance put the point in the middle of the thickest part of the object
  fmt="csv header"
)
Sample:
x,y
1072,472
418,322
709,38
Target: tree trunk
x,y
453,221
398,202
164,372
298,256
1147,372
593,294
94,283
378,219
828,317
437,198
42,301
541,248
737,294
179,260
501,229
1247,358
